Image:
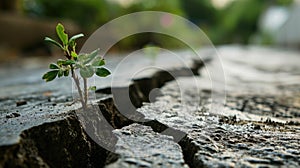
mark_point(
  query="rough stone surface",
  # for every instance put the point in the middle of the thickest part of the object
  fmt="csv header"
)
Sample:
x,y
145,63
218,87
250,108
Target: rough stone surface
x,y
38,127
62,143
259,123
140,146
257,126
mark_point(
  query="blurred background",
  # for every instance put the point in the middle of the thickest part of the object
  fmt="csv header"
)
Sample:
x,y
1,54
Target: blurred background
x,y
25,23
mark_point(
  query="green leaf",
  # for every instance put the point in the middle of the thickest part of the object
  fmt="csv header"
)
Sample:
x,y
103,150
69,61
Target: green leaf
x,y
66,72
61,62
60,73
49,76
53,66
81,57
90,57
93,88
102,72
73,54
48,39
73,45
78,65
98,62
102,62
60,30
76,36
69,62
72,39
87,72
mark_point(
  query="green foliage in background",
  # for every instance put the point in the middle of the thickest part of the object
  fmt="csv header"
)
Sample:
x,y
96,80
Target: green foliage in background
x,y
237,22
140,40
284,2
200,12
91,14
87,13
171,6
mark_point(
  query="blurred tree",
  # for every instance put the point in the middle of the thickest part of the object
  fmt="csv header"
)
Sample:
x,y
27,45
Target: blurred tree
x,y
200,12
172,6
140,40
234,23
239,20
87,13
91,14
284,2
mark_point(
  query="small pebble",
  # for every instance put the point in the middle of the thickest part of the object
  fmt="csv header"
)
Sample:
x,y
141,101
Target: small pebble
x,y
20,103
12,115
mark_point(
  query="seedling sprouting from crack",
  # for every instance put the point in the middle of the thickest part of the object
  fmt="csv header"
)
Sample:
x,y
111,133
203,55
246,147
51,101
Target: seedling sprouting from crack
x,y
152,52
87,64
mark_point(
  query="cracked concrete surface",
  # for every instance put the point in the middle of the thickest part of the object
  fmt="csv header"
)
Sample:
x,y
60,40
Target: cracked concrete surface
x,y
257,126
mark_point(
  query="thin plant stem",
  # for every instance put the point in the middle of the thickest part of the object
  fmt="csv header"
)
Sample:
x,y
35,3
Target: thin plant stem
x,y
85,90
76,80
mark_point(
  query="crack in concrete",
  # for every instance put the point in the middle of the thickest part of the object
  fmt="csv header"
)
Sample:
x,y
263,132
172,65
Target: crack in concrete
x,y
45,145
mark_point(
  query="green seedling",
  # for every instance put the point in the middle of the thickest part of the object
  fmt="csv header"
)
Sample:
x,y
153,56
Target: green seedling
x,y
152,52
87,64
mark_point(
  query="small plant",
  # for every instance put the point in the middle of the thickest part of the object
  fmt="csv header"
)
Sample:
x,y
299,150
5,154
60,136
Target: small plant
x,y
87,64
152,52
